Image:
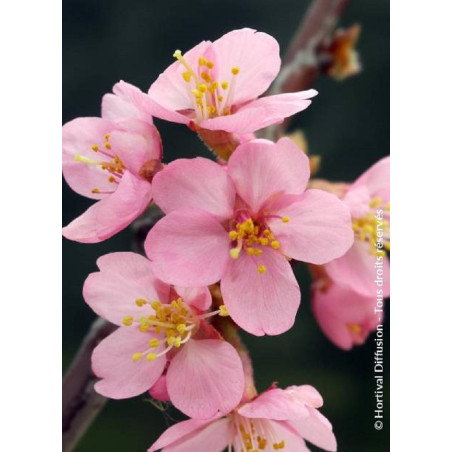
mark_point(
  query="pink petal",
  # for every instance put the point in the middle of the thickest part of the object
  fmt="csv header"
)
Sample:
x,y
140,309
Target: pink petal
x,y
262,112
197,183
170,91
319,228
317,430
275,404
308,394
262,170
356,270
123,278
121,377
376,179
113,213
189,430
146,105
184,245
243,121
256,54
159,390
136,144
78,137
205,377
213,438
261,303
357,201
198,297
283,431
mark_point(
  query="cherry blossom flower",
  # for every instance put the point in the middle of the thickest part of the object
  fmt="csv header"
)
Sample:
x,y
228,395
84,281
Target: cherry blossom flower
x,y
215,86
111,159
346,317
276,420
368,201
162,330
241,225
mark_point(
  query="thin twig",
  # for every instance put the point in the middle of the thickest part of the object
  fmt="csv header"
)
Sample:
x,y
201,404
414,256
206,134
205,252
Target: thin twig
x,y
303,62
81,403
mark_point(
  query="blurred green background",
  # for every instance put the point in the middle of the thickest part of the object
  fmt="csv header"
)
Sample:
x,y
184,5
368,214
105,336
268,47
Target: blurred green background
x,y
347,124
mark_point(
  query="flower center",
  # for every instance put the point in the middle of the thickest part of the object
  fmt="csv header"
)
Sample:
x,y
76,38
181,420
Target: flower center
x,y
253,237
256,434
176,320
374,226
211,98
114,167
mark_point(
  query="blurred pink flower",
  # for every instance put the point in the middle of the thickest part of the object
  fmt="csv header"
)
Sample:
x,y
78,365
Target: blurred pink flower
x,y
215,85
368,201
113,160
346,317
161,330
276,420
241,224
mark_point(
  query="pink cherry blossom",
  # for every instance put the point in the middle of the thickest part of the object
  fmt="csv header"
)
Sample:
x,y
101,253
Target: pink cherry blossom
x,y
110,159
162,330
346,317
241,224
215,85
368,201
276,420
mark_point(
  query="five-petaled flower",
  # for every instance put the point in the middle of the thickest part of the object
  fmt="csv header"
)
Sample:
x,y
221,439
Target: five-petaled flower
x,y
275,420
162,330
241,225
368,201
215,86
113,160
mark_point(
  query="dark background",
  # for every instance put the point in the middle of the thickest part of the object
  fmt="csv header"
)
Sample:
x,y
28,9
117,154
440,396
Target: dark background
x,y
347,124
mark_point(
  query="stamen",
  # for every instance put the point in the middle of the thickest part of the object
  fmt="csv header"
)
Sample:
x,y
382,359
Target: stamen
x,y
285,219
235,70
261,269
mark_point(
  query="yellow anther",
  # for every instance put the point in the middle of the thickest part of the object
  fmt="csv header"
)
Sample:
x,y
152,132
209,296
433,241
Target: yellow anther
x,y
275,244
107,136
144,327
225,85
262,269
181,328
177,54
170,333
198,94
210,65
186,76
108,145
206,76
262,442
233,235
140,302
375,202
368,228
202,61
111,179
95,147
285,219
155,305
234,253
257,252
170,340
127,320
220,98
211,109
95,191
177,342
250,251
235,70
202,88
263,241
223,311
158,329
355,328
154,342
151,356
279,445
136,357
213,87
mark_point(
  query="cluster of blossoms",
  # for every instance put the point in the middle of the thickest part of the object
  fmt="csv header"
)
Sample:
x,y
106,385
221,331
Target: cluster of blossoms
x,y
220,258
